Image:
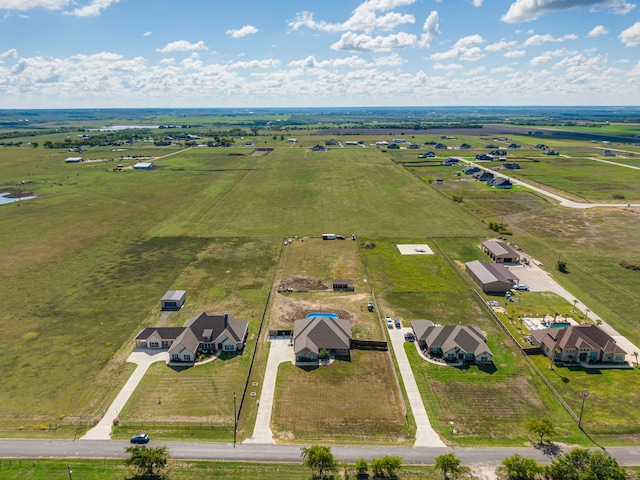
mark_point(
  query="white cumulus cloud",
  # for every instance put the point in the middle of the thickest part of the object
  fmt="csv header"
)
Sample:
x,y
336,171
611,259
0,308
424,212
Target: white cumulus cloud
x,y
93,9
631,36
540,39
242,32
182,46
24,5
598,31
430,29
364,18
527,10
500,46
366,43
11,53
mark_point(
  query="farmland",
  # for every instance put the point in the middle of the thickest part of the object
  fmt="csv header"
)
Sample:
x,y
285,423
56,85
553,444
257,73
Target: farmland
x,y
86,262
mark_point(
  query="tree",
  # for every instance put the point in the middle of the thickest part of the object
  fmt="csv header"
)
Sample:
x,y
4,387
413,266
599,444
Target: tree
x,y
319,458
147,461
362,466
517,467
543,427
391,465
448,464
582,463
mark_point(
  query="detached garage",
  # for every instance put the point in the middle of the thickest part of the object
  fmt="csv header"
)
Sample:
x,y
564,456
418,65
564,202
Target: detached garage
x,y
491,277
173,300
499,252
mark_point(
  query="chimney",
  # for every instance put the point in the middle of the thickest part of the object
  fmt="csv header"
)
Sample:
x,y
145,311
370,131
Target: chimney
x,y
226,318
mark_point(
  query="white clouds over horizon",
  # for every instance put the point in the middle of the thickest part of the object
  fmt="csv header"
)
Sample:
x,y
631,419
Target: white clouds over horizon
x,y
631,36
529,10
242,32
182,46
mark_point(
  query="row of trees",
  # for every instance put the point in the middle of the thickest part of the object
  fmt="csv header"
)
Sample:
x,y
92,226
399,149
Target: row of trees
x,y
322,463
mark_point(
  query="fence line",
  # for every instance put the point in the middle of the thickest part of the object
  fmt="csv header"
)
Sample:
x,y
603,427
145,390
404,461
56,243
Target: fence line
x,y
255,350
375,304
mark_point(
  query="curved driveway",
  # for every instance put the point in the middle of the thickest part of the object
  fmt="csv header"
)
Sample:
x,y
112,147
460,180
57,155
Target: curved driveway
x,y
143,358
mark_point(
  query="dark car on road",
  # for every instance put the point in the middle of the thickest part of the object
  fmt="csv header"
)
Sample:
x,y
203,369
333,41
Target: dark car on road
x,y
140,438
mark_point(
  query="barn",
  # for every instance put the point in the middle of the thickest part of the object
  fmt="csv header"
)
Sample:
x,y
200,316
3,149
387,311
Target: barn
x,y
491,277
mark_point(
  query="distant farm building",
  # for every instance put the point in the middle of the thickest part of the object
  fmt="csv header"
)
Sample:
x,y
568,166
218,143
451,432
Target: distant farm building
x,y
75,160
500,252
143,166
491,277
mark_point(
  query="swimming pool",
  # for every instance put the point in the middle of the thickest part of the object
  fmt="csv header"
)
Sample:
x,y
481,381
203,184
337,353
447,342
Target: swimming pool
x,y
559,325
322,315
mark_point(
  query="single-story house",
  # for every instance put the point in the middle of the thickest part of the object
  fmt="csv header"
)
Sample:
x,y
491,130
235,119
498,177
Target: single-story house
x,y
471,170
74,159
491,277
317,148
341,284
513,145
427,155
173,300
498,153
331,141
143,166
394,146
440,146
465,146
413,146
500,252
451,162
483,176
500,182
512,166
204,332
399,140
578,343
310,335
452,342
484,156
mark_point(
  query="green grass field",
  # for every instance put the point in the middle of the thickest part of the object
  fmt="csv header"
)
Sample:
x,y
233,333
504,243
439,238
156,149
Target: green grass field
x,y
85,264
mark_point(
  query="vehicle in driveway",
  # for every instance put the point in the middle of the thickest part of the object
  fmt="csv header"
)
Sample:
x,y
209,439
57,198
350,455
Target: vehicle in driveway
x,y
389,322
398,324
521,287
140,438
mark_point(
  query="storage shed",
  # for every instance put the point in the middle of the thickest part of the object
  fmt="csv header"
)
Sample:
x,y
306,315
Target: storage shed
x,y
491,277
173,300
500,252
343,285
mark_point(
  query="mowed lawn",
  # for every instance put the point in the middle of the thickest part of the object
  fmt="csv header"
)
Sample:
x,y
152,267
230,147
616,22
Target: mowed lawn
x,y
479,403
354,401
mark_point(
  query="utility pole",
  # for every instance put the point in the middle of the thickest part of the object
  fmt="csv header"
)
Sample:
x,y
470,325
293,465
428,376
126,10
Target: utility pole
x,y
70,471
235,420
584,396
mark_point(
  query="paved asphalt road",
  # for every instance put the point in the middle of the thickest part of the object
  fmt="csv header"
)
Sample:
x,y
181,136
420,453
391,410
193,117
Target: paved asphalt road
x,y
68,449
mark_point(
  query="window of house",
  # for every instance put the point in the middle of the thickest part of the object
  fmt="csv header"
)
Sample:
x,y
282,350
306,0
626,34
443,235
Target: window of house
x,y
154,345
229,348
187,358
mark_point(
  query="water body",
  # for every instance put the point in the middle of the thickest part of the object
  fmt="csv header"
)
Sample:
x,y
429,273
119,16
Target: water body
x,y
4,198
117,128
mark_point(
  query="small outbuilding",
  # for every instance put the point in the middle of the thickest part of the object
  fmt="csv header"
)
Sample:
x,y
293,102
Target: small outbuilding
x,y
343,285
491,277
173,300
75,160
143,166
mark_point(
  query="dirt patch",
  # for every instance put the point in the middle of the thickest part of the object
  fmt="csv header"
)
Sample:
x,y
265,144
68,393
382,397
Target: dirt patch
x,y
300,284
287,309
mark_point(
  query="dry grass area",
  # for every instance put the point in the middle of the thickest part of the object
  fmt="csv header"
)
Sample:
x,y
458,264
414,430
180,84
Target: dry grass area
x,y
355,401
308,267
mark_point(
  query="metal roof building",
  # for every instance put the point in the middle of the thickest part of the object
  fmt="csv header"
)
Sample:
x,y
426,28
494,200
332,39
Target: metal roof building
x,y
491,277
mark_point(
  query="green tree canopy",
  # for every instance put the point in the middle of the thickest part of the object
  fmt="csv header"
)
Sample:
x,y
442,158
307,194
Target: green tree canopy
x,y
449,465
584,464
147,461
542,427
319,458
517,467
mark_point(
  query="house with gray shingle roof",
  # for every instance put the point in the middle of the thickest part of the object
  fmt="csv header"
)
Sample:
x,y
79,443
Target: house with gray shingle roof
x,y
452,342
203,333
578,344
310,335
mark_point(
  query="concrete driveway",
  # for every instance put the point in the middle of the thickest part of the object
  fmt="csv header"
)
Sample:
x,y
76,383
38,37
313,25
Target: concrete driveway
x,y
425,435
279,352
143,358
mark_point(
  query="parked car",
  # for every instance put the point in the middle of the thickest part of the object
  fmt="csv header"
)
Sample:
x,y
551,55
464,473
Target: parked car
x,y
409,337
521,287
398,324
389,322
140,438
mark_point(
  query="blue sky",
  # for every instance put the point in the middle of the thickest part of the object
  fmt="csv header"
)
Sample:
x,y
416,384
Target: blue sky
x,y
308,53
